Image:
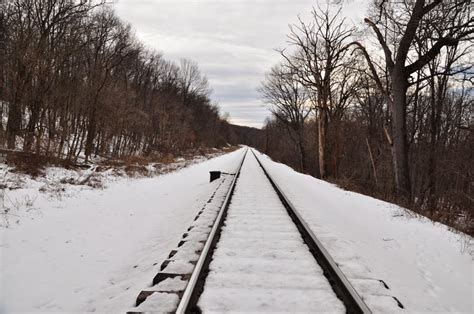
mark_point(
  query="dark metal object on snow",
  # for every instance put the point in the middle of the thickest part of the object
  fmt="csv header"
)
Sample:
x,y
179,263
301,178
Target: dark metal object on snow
x,y
214,175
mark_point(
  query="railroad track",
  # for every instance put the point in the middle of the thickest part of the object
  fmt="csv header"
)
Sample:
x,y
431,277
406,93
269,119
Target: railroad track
x,y
260,255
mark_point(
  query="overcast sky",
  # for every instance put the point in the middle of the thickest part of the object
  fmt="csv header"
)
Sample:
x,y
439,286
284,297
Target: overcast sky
x,y
232,40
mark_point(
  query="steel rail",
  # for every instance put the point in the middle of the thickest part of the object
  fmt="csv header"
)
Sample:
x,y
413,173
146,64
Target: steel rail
x,y
339,282
191,294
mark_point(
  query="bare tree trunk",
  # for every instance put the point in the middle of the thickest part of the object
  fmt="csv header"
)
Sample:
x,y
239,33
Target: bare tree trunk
x,y
40,133
302,151
91,132
438,96
13,123
399,136
372,161
80,142
322,129
32,123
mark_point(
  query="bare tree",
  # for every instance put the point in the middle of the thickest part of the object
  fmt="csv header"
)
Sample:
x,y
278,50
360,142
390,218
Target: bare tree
x,y
402,124
110,46
321,55
191,80
289,103
458,25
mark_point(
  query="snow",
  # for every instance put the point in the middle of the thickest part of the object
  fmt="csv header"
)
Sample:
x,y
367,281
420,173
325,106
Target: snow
x,y
66,247
84,249
170,284
182,260
165,302
237,282
426,266
179,267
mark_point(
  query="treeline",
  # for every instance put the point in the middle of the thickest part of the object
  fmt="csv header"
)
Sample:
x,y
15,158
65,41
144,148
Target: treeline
x,y
75,83
390,116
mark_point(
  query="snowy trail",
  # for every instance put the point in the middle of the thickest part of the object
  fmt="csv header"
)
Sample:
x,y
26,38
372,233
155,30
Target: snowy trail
x,y
95,250
261,262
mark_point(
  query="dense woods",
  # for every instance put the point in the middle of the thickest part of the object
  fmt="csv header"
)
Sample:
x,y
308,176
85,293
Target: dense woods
x,y
76,83
385,108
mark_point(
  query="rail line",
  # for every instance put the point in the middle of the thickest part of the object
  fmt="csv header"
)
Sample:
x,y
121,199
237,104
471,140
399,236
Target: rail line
x,y
341,286
288,240
196,282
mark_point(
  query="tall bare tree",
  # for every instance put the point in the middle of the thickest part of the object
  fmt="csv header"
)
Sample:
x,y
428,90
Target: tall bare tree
x,y
405,19
289,103
321,55
191,80
403,113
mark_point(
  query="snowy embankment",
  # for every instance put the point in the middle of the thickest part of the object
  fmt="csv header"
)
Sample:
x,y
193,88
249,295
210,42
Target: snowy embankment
x,y
428,267
261,264
76,248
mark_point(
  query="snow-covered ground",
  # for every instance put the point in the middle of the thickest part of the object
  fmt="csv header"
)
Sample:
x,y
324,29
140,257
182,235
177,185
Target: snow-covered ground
x,y
428,267
261,263
76,248
88,249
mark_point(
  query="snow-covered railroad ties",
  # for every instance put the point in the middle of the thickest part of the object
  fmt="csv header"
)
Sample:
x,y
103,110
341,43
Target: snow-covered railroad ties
x,y
249,250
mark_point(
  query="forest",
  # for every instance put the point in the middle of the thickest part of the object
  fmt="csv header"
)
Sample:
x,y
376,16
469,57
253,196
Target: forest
x,y
76,83
383,108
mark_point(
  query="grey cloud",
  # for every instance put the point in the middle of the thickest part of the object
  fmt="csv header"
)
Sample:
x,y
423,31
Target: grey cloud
x,y
232,40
